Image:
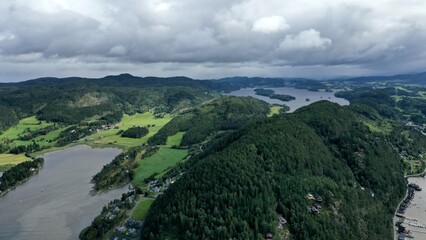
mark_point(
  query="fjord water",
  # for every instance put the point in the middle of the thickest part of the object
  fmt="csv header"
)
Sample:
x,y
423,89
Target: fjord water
x,y
417,209
300,94
56,203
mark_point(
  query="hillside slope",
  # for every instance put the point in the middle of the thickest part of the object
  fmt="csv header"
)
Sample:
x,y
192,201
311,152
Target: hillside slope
x,y
269,168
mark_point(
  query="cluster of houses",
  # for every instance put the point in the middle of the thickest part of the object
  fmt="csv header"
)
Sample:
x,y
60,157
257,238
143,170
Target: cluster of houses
x,y
281,221
411,188
316,207
403,233
129,230
157,186
418,128
108,127
116,207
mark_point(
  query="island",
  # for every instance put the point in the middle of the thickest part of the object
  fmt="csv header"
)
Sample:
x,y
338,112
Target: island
x,y
272,95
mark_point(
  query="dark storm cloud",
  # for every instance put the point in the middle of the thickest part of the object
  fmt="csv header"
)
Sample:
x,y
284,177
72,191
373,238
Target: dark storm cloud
x,y
207,39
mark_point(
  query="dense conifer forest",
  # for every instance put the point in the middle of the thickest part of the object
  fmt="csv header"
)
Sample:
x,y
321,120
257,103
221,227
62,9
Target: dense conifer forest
x,y
270,167
19,173
322,172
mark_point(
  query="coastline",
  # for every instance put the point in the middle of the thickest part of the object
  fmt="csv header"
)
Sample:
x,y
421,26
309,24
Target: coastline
x,y
54,149
413,219
22,181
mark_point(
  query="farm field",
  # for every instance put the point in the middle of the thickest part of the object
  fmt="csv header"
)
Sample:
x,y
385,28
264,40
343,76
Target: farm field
x,y
11,138
111,136
175,140
30,123
141,210
164,159
9,160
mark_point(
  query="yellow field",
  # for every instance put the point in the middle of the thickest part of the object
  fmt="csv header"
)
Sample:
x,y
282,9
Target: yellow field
x,y
9,160
274,110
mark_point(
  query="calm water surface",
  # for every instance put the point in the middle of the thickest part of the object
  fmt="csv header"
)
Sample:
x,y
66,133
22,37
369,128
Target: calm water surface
x,y
56,204
300,94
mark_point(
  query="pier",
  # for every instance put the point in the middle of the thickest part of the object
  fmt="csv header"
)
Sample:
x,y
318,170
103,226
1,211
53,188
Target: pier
x,y
407,227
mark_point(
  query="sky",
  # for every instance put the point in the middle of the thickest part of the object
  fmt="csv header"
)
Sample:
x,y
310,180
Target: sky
x,y
211,38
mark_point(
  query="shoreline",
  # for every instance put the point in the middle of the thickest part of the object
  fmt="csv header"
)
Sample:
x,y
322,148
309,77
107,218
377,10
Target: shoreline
x,y
397,217
54,149
21,182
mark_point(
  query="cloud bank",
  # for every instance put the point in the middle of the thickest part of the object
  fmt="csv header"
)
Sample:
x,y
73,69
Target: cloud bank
x,y
209,39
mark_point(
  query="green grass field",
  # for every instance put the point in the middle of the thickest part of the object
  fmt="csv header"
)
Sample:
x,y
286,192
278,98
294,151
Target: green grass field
x,y
110,136
44,140
9,160
31,123
175,140
141,210
380,127
422,94
164,159
274,110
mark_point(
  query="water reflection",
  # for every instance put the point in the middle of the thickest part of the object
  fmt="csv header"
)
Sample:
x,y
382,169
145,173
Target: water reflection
x,y
56,203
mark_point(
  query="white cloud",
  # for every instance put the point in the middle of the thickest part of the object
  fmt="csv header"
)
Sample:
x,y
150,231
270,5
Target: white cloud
x,y
270,24
367,36
4,36
118,50
305,40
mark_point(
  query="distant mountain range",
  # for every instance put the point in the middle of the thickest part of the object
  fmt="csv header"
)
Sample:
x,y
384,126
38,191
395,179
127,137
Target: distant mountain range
x,y
416,78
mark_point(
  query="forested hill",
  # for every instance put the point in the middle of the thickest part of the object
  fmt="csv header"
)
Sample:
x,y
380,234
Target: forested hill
x,y
72,100
268,169
220,115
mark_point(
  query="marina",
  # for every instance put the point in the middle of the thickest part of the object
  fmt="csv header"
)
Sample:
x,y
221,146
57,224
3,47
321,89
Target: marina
x,y
410,217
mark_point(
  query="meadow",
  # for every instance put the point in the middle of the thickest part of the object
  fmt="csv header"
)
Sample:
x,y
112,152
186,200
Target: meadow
x,y
10,138
112,137
141,210
30,123
9,160
175,140
161,161
274,110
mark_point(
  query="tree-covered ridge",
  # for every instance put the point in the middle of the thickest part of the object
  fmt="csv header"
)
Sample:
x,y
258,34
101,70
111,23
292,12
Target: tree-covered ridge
x,y
222,114
19,173
73,100
226,113
268,168
8,117
397,102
